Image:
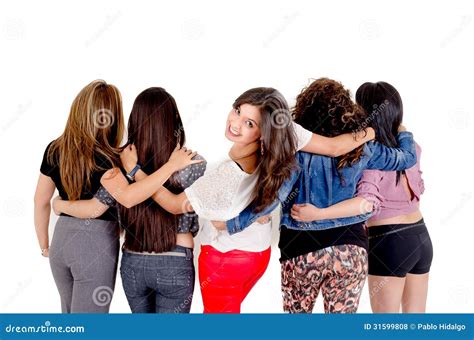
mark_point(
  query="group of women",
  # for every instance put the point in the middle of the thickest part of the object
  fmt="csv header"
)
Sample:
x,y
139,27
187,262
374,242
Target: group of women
x,y
349,205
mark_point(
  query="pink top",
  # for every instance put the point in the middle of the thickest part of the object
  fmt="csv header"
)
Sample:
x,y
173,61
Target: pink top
x,y
389,199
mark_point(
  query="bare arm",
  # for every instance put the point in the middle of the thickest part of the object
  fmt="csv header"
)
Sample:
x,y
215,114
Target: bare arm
x,y
351,207
132,194
174,204
91,208
42,209
339,145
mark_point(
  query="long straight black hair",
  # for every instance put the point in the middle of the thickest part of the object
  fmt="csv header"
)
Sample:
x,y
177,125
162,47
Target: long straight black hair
x,y
384,108
154,127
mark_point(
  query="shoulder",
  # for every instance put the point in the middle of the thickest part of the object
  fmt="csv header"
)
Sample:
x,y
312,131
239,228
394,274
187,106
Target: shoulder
x,y
48,147
46,158
303,136
192,172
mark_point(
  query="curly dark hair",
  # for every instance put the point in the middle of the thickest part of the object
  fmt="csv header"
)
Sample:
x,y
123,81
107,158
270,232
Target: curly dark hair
x,y
325,107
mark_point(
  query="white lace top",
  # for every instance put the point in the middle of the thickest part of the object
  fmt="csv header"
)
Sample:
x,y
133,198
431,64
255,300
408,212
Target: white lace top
x,y
222,193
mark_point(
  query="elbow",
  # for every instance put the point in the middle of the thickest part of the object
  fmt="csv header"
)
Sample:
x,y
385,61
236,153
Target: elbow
x,y
368,207
336,151
40,201
127,203
177,210
412,160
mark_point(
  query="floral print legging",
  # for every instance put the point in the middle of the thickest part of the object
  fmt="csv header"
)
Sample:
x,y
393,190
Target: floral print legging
x,y
338,271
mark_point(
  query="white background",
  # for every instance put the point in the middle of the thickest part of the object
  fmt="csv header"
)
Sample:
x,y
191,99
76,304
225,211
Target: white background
x,y
205,54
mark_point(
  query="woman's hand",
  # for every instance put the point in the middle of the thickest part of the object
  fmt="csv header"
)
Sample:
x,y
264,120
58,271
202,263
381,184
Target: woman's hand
x,y
264,219
182,157
45,252
129,157
57,201
401,128
219,225
305,212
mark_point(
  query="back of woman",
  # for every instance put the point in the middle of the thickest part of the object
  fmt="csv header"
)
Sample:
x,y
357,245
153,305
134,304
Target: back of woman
x,y
83,253
400,246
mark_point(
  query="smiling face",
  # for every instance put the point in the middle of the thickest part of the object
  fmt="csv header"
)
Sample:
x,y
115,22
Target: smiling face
x,y
243,124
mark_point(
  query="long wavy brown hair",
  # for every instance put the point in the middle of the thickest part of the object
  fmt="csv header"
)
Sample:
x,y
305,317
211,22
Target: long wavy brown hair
x,y
325,107
154,127
278,142
95,127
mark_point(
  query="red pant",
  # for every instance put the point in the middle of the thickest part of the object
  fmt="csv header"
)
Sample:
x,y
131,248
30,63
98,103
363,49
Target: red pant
x,y
227,278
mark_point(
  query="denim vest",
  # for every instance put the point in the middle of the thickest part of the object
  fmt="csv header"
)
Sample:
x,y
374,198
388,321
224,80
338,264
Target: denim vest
x,y
317,181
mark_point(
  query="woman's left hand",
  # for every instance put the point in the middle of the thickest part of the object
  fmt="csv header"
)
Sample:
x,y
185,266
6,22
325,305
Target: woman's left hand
x,y
57,205
305,212
219,225
129,157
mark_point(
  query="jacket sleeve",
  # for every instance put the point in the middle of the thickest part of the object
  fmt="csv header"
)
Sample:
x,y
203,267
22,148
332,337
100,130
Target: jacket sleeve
x,y
369,188
391,159
248,215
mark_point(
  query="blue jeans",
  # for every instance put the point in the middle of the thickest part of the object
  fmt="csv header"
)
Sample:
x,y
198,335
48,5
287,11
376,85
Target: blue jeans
x,y
158,283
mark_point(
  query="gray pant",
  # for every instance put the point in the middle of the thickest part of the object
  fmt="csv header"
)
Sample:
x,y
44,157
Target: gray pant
x,y
83,257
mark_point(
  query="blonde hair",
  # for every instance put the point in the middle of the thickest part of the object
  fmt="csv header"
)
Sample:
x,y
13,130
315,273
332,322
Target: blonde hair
x,y
95,127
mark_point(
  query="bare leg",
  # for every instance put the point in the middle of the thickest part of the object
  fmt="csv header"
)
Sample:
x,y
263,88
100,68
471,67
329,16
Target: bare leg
x,y
415,293
386,293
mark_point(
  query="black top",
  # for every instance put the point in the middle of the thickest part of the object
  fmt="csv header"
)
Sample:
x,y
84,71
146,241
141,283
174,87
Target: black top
x,y
52,170
294,243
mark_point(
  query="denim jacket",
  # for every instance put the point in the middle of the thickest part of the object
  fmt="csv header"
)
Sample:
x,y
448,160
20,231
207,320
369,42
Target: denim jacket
x,y
317,181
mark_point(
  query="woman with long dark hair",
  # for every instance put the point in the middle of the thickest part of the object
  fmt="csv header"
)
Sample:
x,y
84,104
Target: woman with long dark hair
x,y
330,255
157,263
260,160
400,248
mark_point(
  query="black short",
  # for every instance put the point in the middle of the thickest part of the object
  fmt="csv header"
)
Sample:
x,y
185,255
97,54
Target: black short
x,y
399,249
